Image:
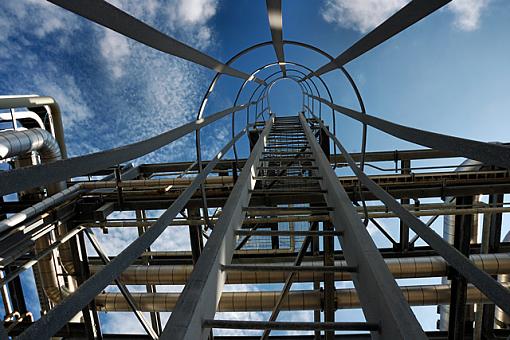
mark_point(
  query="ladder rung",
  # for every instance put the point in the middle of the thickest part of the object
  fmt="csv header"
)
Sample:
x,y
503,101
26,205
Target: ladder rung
x,y
285,159
256,211
245,232
287,192
288,208
286,152
287,178
288,269
291,325
295,218
290,167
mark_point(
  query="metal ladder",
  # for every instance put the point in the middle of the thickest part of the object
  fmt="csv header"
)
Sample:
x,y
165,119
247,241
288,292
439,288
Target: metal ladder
x,y
287,160
287,169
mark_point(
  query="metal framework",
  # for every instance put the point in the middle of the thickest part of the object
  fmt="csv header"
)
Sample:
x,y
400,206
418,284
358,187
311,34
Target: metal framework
x,y
281,216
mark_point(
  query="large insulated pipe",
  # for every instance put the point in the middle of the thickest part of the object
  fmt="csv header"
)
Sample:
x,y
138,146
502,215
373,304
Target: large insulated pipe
x,y
248,301
19,143
33,101
15,143
408,267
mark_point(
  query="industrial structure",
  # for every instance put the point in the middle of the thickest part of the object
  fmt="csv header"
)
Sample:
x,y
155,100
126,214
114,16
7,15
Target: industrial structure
x,y
280,216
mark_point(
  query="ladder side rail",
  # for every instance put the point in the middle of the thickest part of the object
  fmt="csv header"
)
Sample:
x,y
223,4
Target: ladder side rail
x,y
200,297
382,300
490,287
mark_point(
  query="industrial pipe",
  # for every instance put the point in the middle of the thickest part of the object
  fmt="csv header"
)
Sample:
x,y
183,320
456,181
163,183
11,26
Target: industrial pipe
x,y
31,101
19,143
247,301
406,267
14,143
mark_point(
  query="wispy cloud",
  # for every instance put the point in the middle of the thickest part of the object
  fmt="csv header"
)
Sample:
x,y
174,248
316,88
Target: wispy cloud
x,y
364,15
125,93
468,13
361,15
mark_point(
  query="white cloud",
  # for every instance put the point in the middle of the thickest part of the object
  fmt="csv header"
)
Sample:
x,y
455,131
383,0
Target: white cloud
x,y
186,18
68,95
467,13
51,19
114,48
364,15
361,15
193,11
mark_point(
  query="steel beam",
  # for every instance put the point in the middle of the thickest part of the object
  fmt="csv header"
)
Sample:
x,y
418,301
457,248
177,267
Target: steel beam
x,y
107,15
404,230
488,153
410,14
290,326
274,12
201,294
383,302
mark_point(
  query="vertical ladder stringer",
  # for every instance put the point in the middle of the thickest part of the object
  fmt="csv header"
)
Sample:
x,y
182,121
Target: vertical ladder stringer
x,y
381,299
200,297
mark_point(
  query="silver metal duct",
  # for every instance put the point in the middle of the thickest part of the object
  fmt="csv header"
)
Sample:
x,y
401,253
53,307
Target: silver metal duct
x,y
31,101
40,207
14,143
20,143
295,300
410,267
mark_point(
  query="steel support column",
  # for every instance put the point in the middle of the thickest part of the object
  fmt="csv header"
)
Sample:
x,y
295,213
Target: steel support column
x,y
404,229
494,240
195,234
457,324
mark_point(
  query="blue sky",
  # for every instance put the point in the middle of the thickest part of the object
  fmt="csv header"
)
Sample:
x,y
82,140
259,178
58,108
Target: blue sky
x,y
449,73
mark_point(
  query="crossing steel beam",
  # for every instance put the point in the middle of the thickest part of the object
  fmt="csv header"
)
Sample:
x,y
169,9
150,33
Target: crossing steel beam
x,y
274,12
488,153
123,289
410,14
107,15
